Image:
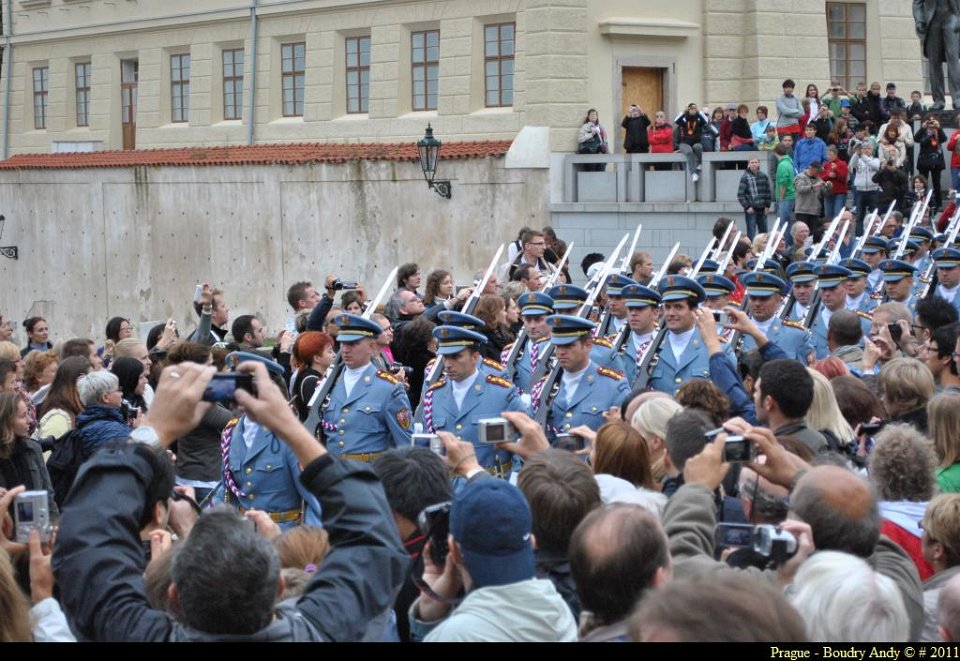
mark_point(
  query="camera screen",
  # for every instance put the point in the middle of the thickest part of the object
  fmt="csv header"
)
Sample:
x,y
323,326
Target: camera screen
x,y
735,535
737,450
220,390
25,511
496,433
569,442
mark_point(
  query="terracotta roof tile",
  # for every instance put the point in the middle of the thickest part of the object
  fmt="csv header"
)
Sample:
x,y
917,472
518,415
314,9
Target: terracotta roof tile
x,y
271,154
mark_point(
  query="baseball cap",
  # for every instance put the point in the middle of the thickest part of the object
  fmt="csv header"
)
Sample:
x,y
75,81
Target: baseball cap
x,y
491,522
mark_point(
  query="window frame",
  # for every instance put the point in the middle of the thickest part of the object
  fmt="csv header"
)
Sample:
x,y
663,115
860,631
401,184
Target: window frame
x,y
82,86
180,88
847,80
427,66
362,96
294,76
499,59
40,96
232,84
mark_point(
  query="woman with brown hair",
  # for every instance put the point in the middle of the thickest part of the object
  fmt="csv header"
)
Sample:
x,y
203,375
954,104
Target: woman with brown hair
x,y
493,311
39,368
943,418
58,413
21,460
619,451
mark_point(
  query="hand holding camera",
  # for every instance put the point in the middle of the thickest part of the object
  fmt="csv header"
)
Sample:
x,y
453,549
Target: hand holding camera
x,y
532,438
174,410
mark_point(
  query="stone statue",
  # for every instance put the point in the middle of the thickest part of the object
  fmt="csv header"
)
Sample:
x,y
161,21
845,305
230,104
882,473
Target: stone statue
x,y
938,27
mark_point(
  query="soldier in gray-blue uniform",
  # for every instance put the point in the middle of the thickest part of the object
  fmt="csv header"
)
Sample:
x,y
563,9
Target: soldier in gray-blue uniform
x,y
947,261
833,296
874,251
465,395
718,290
681,355
923,237
765,293
858,297
471,323
568,299
771,266
803,279
643,309
368,411
261,472
898,283
617,317
911,256
585,389
534,308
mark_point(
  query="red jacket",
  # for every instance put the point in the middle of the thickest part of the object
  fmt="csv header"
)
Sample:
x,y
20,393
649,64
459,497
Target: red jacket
x,y
944,220
952,148
835,172
909,543
661,139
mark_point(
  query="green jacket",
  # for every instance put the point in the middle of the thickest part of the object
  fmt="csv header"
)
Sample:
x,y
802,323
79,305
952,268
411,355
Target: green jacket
x,y
785,176
948,479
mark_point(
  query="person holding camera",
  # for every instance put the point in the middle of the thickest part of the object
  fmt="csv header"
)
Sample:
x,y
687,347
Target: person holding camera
x,y
466,398
21,460
224,566
635,125
930,163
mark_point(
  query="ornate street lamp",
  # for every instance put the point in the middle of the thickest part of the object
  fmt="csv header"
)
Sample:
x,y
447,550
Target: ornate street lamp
x,y
7,251
429,148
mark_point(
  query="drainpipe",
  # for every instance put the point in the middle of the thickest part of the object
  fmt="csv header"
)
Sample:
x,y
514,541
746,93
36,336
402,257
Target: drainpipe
x,y
253,71
8,62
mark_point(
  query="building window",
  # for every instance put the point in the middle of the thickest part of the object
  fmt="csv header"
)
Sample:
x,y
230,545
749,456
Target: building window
x,y
847,42
41,76
358,74
180,88
233,83
425,59
498,49
293,64
82,77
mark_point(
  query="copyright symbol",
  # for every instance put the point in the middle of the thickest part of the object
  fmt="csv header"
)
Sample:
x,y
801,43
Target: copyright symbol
x,y
908,652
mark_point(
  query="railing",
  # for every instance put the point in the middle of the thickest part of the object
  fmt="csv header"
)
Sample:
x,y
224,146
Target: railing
x,y
638,178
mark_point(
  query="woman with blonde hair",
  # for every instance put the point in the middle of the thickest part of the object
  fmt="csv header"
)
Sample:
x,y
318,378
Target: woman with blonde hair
x,y
650,421
941,548
943,418
824,413
906,385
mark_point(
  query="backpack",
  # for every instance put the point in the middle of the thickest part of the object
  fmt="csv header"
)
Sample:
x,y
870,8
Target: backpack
x,y
63,464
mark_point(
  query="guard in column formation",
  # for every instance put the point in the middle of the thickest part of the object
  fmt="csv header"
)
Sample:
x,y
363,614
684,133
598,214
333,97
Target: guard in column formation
x,y
475,324
617,317
681,355
568,299
874,251
584,390
859,297
643,312
367,411
833,296
765,293
803,281
465,396
535,307
898,279
718,290
947,262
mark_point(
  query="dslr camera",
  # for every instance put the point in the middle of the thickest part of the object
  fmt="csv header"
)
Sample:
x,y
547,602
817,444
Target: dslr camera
x,y
30,512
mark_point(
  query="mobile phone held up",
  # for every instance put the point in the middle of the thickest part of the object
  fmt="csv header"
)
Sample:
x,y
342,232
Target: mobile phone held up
x,y
223,387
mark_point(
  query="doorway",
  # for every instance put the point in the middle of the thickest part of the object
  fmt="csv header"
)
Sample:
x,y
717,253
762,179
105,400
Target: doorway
x,y
129,74
642,86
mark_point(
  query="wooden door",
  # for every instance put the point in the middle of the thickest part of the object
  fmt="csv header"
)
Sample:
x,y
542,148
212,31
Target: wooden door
x,y
129,75
644,87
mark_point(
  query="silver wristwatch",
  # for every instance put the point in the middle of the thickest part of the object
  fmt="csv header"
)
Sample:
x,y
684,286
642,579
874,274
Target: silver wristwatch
x,y
146,435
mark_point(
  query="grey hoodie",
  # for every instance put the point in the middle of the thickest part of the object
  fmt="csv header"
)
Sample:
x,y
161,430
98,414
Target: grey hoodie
x,y
528,611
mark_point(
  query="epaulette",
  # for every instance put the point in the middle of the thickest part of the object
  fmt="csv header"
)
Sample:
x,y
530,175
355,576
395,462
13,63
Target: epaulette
x,y
865,315
722,339
924,279
490,362
439,383
507,348
609,373
611,338
545,338
876,296
499,381
429,364
603,342
388,377
794,324
230,425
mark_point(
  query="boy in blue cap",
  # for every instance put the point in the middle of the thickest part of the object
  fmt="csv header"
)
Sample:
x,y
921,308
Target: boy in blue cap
x,y
368,412
465,395
586,390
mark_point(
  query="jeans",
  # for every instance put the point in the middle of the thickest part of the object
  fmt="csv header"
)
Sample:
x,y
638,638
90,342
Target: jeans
x,y
833,204
955,178
755,220
694,154
865,201
933,176
785,212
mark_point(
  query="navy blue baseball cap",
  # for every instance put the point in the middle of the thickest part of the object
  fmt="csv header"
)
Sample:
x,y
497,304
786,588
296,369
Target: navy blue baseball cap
x,y
534,303
468,321
452,340
354,328
567,329
716,285
761,283
491,522
567,297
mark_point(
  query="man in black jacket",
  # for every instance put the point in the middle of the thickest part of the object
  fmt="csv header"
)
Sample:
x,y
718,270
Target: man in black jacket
x,y
224,577
635,124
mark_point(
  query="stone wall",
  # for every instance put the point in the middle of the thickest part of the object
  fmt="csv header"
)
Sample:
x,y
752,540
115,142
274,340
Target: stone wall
x,y
95,243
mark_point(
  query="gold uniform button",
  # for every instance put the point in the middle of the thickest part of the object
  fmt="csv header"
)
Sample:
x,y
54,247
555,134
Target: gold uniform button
x,y
593,408
342,421
250,496
567,426
366,408
341,443
459,427
569,414
679,380
248,470
346,410
249,484
341,432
